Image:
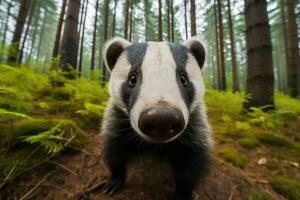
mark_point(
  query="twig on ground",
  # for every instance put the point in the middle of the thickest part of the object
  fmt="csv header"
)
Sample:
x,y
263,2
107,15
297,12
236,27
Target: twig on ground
x,y
87,191
232,192
36,186
64,167
9,174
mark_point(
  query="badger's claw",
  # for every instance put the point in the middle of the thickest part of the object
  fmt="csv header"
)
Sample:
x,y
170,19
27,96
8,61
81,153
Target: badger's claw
x,y
112,186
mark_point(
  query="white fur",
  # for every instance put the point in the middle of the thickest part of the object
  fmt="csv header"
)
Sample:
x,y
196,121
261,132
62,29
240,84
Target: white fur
x,y
159,81
122,41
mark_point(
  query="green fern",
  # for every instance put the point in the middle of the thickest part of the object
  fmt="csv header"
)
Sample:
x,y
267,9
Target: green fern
x,y
50,140
8,114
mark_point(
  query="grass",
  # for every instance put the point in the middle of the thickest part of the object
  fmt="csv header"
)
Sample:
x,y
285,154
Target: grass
x,y
280,142
287,187
232,156
249,143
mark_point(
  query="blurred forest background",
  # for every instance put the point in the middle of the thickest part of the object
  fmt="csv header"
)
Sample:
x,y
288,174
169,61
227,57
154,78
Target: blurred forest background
x,y
53,92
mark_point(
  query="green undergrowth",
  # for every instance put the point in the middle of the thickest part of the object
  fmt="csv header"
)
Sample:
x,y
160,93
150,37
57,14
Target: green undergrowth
x,y
43,115
232,156
289,188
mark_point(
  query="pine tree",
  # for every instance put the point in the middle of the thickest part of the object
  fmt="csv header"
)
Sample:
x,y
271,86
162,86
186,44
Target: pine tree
x,y
59,28
260,78
69,45
14,47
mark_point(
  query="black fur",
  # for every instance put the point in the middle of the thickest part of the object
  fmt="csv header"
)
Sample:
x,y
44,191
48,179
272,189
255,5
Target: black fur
x,y
135,54
188,155
180,55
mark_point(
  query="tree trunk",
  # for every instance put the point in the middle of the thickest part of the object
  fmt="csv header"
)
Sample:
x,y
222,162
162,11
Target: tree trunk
x,y
82,39
159,21
193,18
235,82
126,19
69,45
94,37
59,28
41,38
105,31
81,20
223,85
185,19
130,20
114,19
14,47
172,20
3,43
36,24
285,40
20,58
260,76
294,67
168,20
217,46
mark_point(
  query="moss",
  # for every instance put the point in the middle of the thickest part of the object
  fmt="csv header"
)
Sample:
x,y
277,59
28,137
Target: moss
x,y
61,93
232,156
279,141
259,195
15,105
35,126
287,187
272,166
65,107
249,143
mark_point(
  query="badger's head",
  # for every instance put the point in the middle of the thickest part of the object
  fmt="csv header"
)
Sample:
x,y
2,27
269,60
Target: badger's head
x,y
157,84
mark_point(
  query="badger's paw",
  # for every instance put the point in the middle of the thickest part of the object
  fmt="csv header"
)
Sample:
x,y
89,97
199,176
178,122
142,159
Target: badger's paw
x,y
111,186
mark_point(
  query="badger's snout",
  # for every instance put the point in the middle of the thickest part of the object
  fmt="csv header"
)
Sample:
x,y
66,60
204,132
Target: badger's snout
x,y
161,122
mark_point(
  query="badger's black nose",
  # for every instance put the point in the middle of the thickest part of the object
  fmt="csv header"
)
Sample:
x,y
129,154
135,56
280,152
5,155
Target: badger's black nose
x,y
161,122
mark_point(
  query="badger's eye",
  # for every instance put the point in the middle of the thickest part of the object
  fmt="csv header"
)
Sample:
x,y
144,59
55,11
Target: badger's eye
x,y
183,79
132,80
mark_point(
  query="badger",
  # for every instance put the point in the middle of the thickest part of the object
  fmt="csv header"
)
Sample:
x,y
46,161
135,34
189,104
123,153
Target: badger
x,y
156,105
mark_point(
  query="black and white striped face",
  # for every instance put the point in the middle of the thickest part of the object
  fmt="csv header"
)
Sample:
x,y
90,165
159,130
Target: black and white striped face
x,y
158,84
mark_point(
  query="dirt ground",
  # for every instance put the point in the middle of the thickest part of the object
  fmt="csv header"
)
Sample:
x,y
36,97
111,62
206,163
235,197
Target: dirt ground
x,y
80,177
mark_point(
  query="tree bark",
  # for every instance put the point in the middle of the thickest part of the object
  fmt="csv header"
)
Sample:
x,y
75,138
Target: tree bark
x,y
126,19
94,37
260,76
294,65
168,20
193,18
59,28
105,31
82,40
217,46
235,82
20,58
185,20
223,85
36,24
285,40
114,19
160,38
41,38
172,20
81,19
131,20
69,45
3,43
14,47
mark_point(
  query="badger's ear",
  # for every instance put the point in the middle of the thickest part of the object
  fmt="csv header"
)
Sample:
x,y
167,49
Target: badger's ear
x,y
197,49
112,50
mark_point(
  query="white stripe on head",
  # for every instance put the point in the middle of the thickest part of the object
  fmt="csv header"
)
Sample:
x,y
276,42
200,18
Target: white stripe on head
x,y
159,83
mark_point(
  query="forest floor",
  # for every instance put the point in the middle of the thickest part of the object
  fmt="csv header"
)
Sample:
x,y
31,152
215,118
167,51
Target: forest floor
x,y
51,147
